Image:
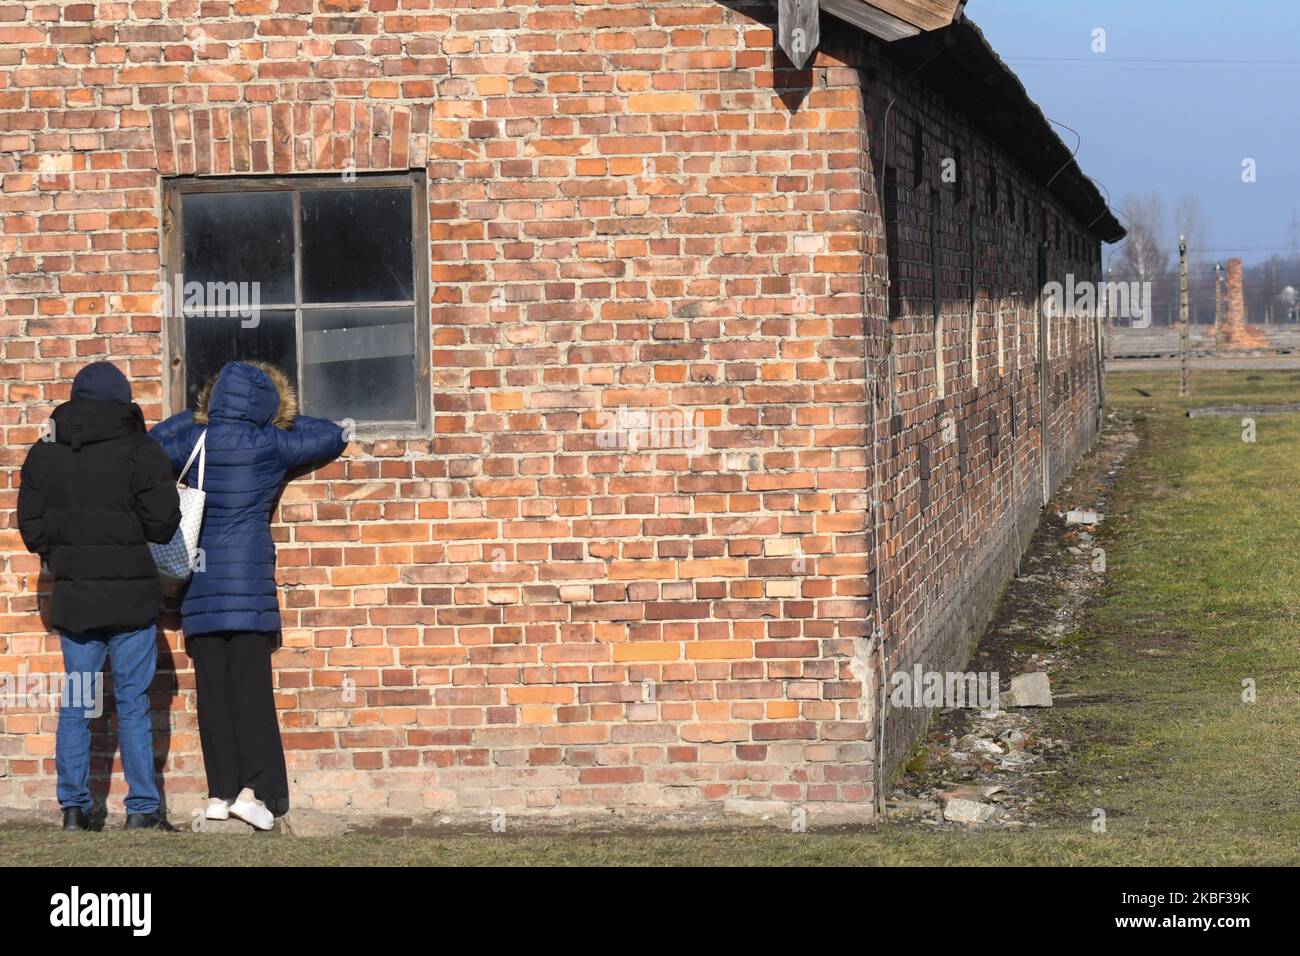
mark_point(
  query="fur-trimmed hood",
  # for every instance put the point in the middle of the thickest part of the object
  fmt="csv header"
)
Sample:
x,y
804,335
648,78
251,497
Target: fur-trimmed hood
x,y
255,392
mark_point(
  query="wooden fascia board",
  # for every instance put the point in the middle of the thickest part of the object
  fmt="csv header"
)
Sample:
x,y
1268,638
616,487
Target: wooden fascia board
x,y
870,18
924,14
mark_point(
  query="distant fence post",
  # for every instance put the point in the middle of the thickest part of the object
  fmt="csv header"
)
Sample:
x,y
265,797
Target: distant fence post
x,y
1218,306
1107,323
1183,332
1101,344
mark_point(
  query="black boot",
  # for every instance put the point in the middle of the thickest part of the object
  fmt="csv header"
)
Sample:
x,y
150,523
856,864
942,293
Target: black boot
x,y
148,821
74,819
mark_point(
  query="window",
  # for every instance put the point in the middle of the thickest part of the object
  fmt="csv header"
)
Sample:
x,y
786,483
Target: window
x,y
936,252
936,292
972,230
893,251
918,156
324,277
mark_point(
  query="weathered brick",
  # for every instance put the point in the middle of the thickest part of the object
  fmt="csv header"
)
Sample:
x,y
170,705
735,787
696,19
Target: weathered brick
x,y
645,544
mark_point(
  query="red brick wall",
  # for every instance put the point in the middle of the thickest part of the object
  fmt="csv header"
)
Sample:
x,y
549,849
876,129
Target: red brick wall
x,y
948,544
631,206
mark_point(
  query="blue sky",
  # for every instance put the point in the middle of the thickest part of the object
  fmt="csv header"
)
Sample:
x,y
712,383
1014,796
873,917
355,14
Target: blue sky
x,y
1172,127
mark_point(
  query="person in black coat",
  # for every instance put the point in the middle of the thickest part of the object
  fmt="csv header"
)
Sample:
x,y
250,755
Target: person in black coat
x,y
95,490
231,612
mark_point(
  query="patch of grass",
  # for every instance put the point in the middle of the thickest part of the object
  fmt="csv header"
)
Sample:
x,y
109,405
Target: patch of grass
x,y
885,845
1203,553
1203,589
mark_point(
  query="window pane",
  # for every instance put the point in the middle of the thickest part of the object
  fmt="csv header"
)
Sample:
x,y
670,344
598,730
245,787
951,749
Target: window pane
x,y
211,342
240,237
359,364
356,245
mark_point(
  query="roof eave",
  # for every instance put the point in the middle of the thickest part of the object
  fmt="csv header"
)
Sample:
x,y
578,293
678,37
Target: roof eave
x,y
958,61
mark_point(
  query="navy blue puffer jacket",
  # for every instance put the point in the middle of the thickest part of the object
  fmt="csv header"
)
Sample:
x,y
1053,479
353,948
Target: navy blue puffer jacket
x,y
254,437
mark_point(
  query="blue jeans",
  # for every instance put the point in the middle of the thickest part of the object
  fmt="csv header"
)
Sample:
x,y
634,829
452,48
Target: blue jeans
x,y
134,655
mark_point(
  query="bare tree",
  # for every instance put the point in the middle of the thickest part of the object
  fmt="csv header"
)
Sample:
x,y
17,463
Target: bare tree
x,y
1143,256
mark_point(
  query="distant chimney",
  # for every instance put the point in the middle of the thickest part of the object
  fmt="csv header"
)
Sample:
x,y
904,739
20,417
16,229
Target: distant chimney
x,y
1236,296
1236,333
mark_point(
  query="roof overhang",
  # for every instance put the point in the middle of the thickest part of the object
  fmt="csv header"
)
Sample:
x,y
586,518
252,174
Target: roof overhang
x,y
934,43
895,19
799,30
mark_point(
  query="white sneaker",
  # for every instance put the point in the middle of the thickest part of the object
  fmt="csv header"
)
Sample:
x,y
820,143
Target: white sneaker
x,y
252,810
218,809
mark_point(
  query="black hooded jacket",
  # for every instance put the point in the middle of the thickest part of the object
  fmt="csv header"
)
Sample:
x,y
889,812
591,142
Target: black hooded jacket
x,y
90,500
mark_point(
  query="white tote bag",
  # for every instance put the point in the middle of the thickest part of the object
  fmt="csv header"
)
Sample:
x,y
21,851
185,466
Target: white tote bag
x,y
175,559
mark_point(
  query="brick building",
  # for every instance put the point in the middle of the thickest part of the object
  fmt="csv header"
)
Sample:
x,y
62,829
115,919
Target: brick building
x,y
695,394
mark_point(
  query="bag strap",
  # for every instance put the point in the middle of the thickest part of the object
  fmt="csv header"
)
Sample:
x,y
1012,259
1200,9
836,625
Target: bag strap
x,y
200,449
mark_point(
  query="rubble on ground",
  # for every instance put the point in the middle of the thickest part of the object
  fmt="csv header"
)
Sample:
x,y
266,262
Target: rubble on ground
x,y
1029,690
987,769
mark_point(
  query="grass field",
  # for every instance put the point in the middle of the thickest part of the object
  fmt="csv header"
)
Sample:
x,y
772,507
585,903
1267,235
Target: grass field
x,y
1203,542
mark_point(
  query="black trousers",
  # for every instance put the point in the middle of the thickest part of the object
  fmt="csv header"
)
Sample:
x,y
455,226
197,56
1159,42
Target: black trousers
x,y
237,724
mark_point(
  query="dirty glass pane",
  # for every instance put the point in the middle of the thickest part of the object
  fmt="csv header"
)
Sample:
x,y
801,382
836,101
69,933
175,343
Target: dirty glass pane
x,y
356,245
211,342
239,238
359,364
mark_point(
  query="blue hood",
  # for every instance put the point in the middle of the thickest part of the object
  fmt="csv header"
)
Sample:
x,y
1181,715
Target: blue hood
x,y
255,393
